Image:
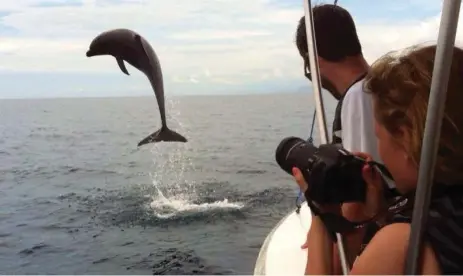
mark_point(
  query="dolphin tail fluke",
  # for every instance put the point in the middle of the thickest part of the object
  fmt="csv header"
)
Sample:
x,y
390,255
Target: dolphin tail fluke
x,y
164,134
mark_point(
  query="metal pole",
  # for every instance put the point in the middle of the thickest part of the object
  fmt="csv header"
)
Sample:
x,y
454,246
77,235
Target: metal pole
x,y
435,114
315,71
316,81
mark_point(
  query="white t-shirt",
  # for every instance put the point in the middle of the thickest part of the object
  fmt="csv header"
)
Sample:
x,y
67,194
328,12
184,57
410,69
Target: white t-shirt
x,y
357,122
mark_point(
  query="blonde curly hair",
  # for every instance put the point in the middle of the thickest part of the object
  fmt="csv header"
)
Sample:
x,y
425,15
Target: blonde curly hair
x,y
400,86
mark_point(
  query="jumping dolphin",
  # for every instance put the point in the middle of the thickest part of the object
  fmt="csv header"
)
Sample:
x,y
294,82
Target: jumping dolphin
x,y
124,44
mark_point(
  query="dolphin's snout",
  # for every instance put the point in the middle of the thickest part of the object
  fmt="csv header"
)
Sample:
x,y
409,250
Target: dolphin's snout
x,y
89,53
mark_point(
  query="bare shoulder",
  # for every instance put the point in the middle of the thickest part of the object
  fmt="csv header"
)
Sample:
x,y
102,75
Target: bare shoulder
x,y
386,253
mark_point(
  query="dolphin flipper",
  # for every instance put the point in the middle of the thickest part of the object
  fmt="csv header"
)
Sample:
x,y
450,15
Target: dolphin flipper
x,y
121,64
164,134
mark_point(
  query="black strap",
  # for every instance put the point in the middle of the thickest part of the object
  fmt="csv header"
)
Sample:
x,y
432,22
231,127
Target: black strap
x,y
337,113
338,224
329,220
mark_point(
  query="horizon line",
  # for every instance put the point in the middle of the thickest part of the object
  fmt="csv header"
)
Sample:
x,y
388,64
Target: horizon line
x,y
146,96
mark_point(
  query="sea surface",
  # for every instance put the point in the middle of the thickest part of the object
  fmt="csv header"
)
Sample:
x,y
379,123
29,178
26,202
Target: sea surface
x,y
78,197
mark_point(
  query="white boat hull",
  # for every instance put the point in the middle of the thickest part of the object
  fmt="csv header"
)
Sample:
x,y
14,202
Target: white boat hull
x,y
281,252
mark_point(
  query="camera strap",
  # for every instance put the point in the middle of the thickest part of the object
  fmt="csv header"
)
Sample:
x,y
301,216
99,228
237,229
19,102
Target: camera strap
x,y
335,223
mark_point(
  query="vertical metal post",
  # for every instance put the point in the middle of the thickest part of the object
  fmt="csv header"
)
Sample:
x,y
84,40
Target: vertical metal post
x,y
315,71
316,81
432,131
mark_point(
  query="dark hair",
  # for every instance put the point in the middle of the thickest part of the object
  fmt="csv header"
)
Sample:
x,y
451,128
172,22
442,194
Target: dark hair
x,y
335,33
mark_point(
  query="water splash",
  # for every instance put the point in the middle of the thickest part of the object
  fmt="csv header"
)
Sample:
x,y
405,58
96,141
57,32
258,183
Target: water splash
x,y
171,160
167,208
176,192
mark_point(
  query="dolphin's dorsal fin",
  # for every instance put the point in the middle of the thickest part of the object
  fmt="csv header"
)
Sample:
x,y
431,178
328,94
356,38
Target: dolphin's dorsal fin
x,y
121,64
138,39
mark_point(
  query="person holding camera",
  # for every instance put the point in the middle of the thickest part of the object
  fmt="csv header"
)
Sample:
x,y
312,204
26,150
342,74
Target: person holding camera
x,y
400,88
342,72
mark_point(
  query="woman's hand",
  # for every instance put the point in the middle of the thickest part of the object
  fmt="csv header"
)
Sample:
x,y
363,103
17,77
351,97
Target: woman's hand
x,y
375,200
354,211
303,185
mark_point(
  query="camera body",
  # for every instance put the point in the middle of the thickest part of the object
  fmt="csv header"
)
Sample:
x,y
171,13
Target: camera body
x,y
334,174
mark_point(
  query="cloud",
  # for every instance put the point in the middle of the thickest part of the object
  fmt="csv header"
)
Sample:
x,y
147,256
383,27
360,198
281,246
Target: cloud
x,y
59,3
206,35
222,44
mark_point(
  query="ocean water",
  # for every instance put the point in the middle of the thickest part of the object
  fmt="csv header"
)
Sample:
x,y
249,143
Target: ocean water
x,y
78,197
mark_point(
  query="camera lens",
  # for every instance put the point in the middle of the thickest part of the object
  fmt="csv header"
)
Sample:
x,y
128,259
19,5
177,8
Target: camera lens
x,y
283,151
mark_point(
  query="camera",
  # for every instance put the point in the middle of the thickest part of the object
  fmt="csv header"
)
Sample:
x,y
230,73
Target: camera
x,y
334,174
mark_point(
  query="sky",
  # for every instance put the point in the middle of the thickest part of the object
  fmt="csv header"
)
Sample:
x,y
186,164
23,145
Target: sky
x,y
204,46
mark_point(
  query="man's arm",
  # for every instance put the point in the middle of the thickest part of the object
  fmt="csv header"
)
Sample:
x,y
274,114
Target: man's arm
x,y
357,122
